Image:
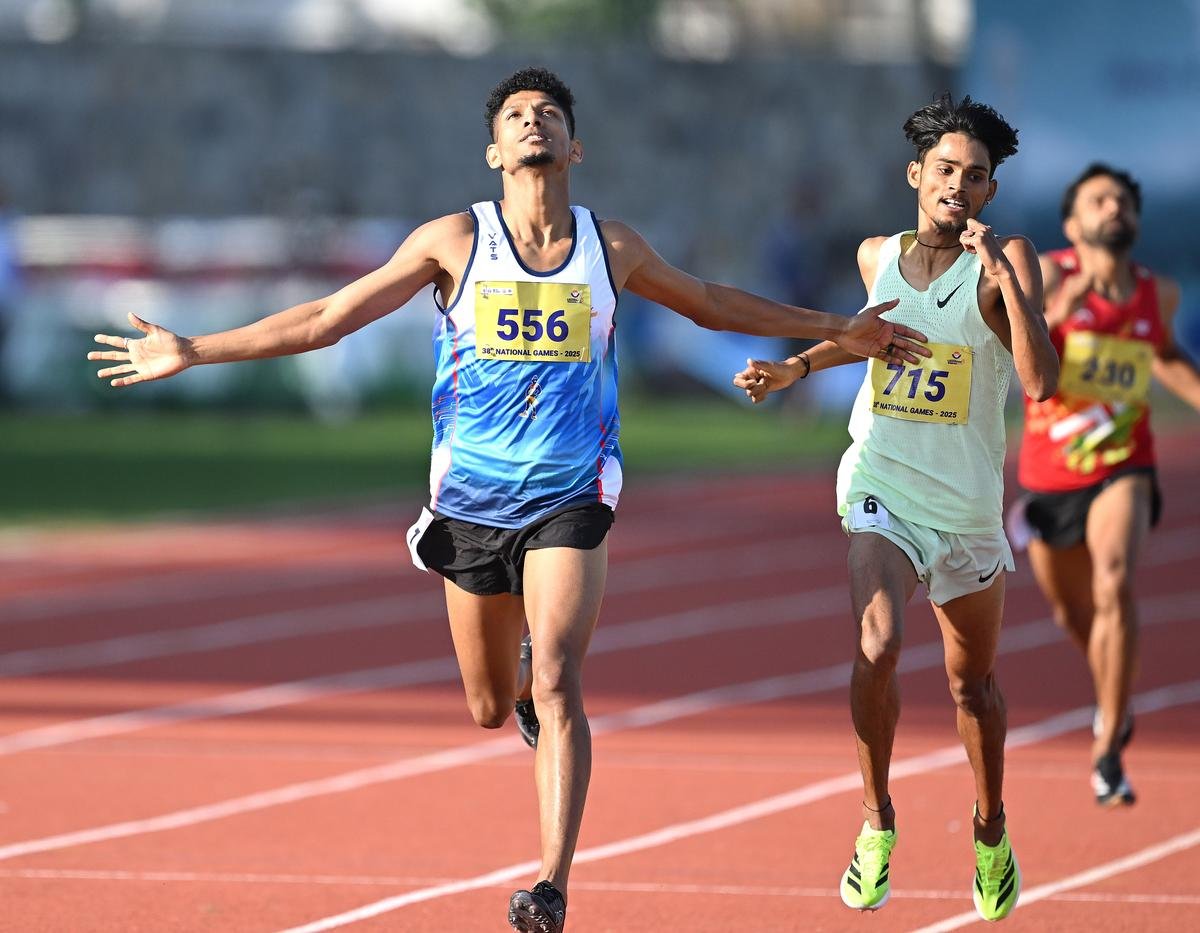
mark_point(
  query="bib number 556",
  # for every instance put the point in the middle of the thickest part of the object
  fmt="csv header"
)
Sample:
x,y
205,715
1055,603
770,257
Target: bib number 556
x,y
512,323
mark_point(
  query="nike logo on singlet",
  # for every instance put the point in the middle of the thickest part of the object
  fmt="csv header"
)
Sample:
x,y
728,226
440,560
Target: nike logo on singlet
x,y
982,578
942,301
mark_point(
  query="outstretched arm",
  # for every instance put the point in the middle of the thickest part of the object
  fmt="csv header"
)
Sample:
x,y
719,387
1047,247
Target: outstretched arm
x,y
720,307
308,326
1174,370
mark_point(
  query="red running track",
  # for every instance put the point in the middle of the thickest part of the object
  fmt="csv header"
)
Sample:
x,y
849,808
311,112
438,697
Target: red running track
x,y
257,726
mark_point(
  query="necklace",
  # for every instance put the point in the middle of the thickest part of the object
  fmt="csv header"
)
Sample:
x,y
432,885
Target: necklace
x,y
931,246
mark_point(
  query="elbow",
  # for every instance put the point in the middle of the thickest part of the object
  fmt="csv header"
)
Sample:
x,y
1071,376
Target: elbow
x,y
1044,387
322,333
323,339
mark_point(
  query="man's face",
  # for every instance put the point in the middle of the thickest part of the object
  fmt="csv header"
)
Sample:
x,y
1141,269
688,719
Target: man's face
x,y
953,182
531,130
1104,215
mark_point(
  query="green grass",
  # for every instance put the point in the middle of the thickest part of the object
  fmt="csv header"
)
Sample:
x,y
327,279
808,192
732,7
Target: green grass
x,y
113,466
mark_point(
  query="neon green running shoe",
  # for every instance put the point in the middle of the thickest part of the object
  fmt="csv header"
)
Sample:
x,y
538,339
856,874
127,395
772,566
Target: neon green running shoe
x,y
997,880
865,884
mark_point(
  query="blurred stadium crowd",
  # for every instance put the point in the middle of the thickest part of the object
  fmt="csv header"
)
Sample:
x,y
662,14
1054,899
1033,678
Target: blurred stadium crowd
x,y
204,162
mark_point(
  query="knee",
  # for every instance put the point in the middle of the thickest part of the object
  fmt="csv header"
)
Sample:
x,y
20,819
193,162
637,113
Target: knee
x,y
488,711
1071,618
556,685
879,640
1112,583
978,697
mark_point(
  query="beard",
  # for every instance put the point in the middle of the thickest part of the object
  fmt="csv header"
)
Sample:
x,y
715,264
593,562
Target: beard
x,y
1117,237
544,157
946,228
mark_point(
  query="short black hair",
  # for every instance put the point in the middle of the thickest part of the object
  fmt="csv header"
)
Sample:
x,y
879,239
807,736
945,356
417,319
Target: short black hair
x,y
1095,170
529,79
979,121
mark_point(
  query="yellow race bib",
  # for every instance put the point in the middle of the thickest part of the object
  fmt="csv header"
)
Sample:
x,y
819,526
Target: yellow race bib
x,y
937,391
533,322
1106,368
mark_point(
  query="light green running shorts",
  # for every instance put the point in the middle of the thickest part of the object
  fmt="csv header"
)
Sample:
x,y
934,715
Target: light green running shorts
x,y
950,565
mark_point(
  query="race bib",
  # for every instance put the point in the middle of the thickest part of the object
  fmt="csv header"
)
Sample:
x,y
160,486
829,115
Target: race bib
x,y
533,322
869,514
938,390
1106,368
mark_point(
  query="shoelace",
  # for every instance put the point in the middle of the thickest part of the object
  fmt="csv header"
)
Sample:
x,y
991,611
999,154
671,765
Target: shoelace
x,y
992,864
872,853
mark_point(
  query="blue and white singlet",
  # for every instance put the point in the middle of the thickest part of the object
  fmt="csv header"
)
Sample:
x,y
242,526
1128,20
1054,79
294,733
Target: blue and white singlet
x,y
525,419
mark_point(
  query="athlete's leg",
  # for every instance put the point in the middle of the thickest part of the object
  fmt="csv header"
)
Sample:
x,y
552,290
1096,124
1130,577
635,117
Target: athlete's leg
x,y
970,633
563,591
1117,525
1064,576
882,580
487,637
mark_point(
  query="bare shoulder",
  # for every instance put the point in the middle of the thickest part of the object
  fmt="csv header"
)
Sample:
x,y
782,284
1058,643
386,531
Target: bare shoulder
x,y
868,258
452,229
627,251
445,242
868,250
1020,248
1169,295
620,237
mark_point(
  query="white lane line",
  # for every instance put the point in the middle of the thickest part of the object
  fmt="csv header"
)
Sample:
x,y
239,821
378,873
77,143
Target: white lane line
x,y
676,627
427,606
1103,872
160,590
633,887
624,887
918,657
408,674
1174,695
748,562
693,623
182,586
232,633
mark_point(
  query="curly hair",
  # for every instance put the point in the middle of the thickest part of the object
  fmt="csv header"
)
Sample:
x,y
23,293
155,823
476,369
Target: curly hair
x,y
979,121
529,79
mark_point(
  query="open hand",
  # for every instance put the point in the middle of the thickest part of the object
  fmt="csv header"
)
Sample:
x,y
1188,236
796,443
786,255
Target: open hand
x,y
869,335
156,356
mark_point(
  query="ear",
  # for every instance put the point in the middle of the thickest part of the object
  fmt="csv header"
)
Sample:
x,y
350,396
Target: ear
x,y
491,155
1071,229
575,154
914,174
991,191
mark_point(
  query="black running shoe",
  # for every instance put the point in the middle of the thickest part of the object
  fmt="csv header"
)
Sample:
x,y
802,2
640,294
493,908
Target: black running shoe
x,y
1124,734
541,910
523,712
1111,786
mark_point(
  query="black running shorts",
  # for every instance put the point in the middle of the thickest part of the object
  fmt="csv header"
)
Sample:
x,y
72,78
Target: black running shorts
x,y
1060,518
488,561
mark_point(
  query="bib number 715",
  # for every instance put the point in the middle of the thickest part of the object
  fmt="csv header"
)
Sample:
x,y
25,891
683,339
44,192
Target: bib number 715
x,y
934,380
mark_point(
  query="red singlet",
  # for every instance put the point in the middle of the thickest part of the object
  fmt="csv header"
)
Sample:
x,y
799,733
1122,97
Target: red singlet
x,y
1099,422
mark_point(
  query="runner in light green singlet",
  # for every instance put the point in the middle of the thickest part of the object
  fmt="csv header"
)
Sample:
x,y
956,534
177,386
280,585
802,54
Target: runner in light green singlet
x,y
920,487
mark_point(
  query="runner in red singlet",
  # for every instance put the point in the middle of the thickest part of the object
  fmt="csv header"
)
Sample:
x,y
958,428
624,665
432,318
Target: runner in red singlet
x,y
1087,456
